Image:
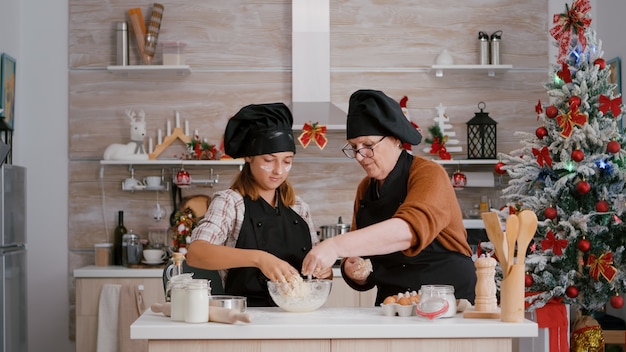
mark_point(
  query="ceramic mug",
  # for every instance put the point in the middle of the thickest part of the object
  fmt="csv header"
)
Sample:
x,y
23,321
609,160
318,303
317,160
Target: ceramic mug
x,y
154,255
152,181
132,183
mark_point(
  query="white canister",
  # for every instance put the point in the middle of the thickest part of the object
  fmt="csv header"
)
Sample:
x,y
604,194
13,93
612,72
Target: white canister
x,y
445,292
197,304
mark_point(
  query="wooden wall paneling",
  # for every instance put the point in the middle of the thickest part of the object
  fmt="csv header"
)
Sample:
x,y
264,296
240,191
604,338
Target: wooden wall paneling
x,y
235,33
240,53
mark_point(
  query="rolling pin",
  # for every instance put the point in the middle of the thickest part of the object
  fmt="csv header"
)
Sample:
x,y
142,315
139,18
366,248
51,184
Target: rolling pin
x,y
216,314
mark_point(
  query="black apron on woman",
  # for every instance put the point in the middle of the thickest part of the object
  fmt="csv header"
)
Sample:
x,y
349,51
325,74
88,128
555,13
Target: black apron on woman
x,y
279,231
396,272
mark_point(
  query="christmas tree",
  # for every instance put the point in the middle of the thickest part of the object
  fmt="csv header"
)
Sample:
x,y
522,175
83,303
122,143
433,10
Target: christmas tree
x,y
572,173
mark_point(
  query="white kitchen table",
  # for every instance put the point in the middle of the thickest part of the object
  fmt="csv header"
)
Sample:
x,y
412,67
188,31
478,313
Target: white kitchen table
x,y
331,329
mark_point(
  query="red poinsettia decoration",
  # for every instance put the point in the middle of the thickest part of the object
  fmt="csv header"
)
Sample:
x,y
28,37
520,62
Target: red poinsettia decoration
x,y
543,156
201,150
568,120
614,105
601,266
551,242
573,21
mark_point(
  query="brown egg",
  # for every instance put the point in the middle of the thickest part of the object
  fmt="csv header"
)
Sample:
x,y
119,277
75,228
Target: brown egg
x,y
404,301
389,300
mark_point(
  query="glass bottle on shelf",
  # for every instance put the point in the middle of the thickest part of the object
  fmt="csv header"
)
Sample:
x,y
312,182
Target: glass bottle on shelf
x,y
118,235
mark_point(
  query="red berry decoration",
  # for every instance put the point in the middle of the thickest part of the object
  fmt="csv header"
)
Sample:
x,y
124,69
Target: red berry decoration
x,y
617,301
583,187
541,132
578,155
498,168
600,62
584,245
571,292
528,280
613,147
575,100
550,213
602,206
552,111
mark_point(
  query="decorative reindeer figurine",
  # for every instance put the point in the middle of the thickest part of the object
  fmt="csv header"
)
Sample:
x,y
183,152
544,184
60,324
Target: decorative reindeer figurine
x,y
135,149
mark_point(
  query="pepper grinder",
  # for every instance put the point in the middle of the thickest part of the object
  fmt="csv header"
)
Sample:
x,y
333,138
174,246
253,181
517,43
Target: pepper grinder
x,y
486,300
485,303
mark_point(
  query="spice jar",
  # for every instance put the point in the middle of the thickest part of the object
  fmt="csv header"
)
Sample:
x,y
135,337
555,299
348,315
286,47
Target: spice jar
x,y
197,303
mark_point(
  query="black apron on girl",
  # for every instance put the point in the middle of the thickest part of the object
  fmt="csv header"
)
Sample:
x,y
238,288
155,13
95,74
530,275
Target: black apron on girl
x,y
395,272
279,231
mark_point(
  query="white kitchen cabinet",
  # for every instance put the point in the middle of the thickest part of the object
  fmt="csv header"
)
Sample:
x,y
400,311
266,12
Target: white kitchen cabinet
x,y
342,295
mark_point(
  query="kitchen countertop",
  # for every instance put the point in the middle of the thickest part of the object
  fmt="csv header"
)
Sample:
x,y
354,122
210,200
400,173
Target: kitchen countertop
x,y
329,323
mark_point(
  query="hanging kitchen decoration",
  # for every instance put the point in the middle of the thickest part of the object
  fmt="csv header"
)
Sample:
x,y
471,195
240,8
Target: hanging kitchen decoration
x,y
481,135
441,143
315,132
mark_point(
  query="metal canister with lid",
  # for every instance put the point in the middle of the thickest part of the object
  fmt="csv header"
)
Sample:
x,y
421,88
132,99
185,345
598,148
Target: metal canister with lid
x,y
328,231
132,249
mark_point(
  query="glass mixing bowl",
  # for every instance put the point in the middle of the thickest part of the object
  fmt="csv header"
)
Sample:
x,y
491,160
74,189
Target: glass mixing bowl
x,y
300,296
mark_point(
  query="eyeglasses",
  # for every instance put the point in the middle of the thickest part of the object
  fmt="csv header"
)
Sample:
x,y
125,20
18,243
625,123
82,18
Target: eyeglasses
x,y
366,152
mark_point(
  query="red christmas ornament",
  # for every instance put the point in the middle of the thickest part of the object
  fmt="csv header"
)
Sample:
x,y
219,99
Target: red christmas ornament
x,y
575,100
583,187
617,301
498,168
182,178
613,147
571,292
459,180
528,280
552,111
602,206
584,245
578,155
600,62
550,213
541,132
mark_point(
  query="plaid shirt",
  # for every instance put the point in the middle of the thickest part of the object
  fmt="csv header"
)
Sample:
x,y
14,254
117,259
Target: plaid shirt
x,y
223,220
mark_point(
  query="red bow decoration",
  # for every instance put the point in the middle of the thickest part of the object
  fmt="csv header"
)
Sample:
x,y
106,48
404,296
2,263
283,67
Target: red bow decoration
x,y
574,20
543,156
551,242
565,74
314,132
601,265
567,121
614,105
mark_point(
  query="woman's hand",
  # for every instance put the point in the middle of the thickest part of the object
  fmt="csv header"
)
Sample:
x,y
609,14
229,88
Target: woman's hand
x,y
357,269
320,259
276,269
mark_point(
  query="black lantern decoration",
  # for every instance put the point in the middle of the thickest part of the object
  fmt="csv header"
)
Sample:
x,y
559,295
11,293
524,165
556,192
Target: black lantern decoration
x,y
481,135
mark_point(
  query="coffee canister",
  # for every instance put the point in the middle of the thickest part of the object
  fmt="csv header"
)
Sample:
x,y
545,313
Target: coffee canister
x,y
496,38
483,48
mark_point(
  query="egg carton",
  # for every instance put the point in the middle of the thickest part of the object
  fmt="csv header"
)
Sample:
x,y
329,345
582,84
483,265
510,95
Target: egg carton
x,y
401,310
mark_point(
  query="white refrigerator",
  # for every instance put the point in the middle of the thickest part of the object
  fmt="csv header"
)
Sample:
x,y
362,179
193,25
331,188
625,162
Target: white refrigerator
x,y
13,336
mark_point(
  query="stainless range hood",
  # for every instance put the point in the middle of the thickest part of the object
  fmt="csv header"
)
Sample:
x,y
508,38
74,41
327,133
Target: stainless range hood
x,y
310,75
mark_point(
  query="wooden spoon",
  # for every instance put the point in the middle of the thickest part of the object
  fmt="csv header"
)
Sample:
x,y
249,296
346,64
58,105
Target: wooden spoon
x,y
495,235
527,229
512,230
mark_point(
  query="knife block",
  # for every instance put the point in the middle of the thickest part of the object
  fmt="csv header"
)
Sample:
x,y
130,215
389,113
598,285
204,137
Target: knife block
x,y
512,295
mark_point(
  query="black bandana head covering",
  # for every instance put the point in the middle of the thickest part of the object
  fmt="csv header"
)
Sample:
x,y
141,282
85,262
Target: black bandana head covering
x,y
372,113
259,129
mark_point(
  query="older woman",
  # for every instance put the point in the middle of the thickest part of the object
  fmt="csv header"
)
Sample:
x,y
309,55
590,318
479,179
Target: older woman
x,y
407,220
